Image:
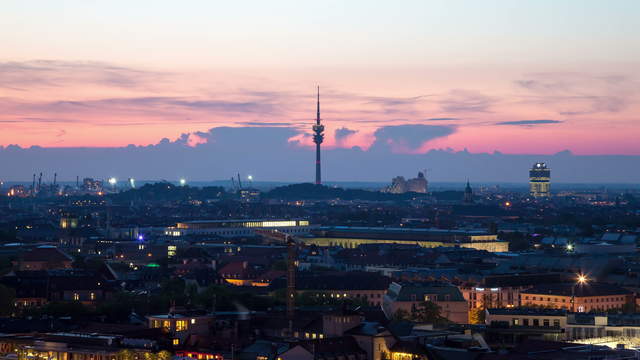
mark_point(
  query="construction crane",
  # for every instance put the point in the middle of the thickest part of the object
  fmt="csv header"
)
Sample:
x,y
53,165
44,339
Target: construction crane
x,y
39,182
239,182
233,183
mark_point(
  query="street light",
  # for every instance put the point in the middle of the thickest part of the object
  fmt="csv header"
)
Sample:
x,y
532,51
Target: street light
x,y
581,280
113,181
183,182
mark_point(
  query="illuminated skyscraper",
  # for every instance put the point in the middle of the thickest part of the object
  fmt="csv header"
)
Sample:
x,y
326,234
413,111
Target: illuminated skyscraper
x,y
318,137
540,180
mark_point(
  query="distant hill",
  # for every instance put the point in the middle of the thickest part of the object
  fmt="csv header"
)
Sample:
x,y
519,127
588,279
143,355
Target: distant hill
x,y
308,191
165,191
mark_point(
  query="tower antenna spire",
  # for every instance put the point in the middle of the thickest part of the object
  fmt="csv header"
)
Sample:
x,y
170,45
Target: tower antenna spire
x,y
318,107
318,137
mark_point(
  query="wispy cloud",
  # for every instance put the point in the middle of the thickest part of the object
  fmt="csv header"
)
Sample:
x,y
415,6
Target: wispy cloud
x,y
443,119
574,93
466,101
528,122
55,73
269,124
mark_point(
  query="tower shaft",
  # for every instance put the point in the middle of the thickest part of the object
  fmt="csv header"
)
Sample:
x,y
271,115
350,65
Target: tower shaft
x,y
318,137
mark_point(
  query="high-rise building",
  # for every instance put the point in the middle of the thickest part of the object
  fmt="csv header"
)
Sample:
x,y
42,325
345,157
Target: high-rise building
x,y
318,137
540,180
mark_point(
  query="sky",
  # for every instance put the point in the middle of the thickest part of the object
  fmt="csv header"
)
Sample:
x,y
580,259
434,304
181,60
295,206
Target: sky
x,y
514,77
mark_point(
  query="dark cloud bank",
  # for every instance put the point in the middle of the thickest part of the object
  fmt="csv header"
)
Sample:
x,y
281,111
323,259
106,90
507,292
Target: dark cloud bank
x,y
266,153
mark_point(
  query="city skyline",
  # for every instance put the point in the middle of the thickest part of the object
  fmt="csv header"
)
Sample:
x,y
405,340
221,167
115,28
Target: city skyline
x,y
328,180
555,81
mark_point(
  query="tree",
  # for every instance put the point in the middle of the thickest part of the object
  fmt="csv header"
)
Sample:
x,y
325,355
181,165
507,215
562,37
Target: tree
x,y
7,298
280,265
65,308
400,315
164,355
125,354
517,241
5,265
476,316
427,312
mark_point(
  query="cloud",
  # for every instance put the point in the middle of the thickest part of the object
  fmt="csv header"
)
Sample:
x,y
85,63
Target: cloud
x,y
443,119
407,138
24,120
165,108
391,101
269,124
596,104
528,122
343,132
574,93
466,101
55,73
267,154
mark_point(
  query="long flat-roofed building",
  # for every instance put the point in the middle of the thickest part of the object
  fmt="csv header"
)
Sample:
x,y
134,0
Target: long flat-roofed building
x,y
352,237
234,228
577,297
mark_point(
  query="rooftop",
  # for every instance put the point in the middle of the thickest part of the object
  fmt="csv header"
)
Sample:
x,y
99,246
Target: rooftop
x,y
580,290
528,311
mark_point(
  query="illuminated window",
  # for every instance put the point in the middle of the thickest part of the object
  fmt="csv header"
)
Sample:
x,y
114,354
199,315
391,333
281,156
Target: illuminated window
x,y
166,324
193,321
176,341
181,325
76,296
171,250
92,296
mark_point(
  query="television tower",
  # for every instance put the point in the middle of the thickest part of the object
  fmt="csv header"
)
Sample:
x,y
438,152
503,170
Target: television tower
x,y
318,137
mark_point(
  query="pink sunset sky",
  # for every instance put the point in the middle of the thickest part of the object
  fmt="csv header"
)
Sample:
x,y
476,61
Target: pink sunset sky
x,y
516,77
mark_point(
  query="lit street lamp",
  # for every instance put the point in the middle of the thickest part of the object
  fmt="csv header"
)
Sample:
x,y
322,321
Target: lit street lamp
x,y
581,280
113,181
